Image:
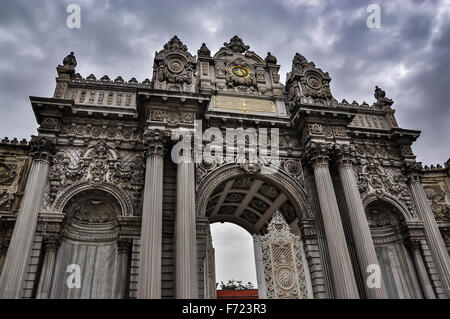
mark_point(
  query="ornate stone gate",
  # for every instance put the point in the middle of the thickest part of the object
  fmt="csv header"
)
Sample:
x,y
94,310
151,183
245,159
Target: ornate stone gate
x,y
105,185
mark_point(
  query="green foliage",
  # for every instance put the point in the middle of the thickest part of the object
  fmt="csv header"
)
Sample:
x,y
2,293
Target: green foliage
x,y
233,284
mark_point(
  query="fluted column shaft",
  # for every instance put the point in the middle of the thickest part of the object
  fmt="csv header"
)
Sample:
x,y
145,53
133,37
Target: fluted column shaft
x,y
364,247
343,276
123,247
149,286
434,237
185,231
421,270
15,266
45,283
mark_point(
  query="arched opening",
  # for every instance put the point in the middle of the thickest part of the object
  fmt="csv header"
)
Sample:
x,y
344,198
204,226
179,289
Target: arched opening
x,y
250,201
389,233
88,264
227,252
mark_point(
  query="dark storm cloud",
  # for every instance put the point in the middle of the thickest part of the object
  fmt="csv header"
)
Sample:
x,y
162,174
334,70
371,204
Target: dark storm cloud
x,y
408,57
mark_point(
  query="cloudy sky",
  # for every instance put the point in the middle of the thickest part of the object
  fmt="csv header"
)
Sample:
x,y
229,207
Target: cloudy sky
x,y
408,56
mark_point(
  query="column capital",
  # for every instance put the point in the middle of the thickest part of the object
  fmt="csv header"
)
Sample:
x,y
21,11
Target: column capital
x,y
52,242
413,244
318,154
154,141
123,245
414,172
42,148
345,154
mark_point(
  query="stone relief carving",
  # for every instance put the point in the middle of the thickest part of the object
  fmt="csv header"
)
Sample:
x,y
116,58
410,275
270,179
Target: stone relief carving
x,y
6,199
7,174
174,67
307,84
438,203
96,164
283,266
377,179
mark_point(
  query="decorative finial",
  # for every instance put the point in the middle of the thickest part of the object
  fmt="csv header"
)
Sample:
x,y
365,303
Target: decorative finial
x,y
381,98
204,51
270,58
236,45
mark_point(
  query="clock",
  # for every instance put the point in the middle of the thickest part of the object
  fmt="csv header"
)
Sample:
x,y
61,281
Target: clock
x,y
240,71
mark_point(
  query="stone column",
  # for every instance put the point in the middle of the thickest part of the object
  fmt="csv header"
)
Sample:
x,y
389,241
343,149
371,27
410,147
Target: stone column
x,y
15,266
149,285
185,231
123,250
364,247
427,289
341,267
51,244
435,241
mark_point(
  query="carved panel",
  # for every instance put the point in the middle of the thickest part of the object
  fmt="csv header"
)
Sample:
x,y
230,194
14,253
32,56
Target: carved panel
x,y
283,266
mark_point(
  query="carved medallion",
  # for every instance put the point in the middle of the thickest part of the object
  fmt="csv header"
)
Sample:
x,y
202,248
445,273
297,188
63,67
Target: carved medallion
x,y
175,65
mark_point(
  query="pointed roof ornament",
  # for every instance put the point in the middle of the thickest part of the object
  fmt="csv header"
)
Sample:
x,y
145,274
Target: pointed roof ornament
x,y
270,58
175,44
236,45
278,223
204,51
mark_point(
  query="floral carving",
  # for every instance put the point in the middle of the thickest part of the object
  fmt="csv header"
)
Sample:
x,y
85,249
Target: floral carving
x,y
438,203
6,199
174,67
97,164
7,174
283,266
374,178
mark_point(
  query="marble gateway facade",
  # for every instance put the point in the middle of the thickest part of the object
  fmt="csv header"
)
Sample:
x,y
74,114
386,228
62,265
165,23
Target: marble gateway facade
x,y
96,194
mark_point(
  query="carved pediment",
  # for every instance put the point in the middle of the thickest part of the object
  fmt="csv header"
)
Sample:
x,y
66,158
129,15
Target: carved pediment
x,y
174,68
307,83
239,70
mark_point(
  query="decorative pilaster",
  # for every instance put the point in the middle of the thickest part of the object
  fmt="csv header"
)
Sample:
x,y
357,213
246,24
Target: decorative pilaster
x,y
415,247
343,276
185,231
51,244
433,236
149,285
14,269
123,250
365,249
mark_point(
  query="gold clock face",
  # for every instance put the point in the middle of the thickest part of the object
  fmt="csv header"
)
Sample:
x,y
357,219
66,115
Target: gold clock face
x,y
240,71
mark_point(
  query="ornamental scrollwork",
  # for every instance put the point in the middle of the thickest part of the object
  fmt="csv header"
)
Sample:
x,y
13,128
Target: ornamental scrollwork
x,y
436,197
284,273
174,67
6,199
97,164
375,178
7,174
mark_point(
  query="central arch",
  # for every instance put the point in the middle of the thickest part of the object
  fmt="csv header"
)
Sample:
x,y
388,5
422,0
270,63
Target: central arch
x,y
230,194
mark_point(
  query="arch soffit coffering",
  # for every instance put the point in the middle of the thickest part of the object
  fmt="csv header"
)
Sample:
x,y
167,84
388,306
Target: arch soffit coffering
x,y
292,189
